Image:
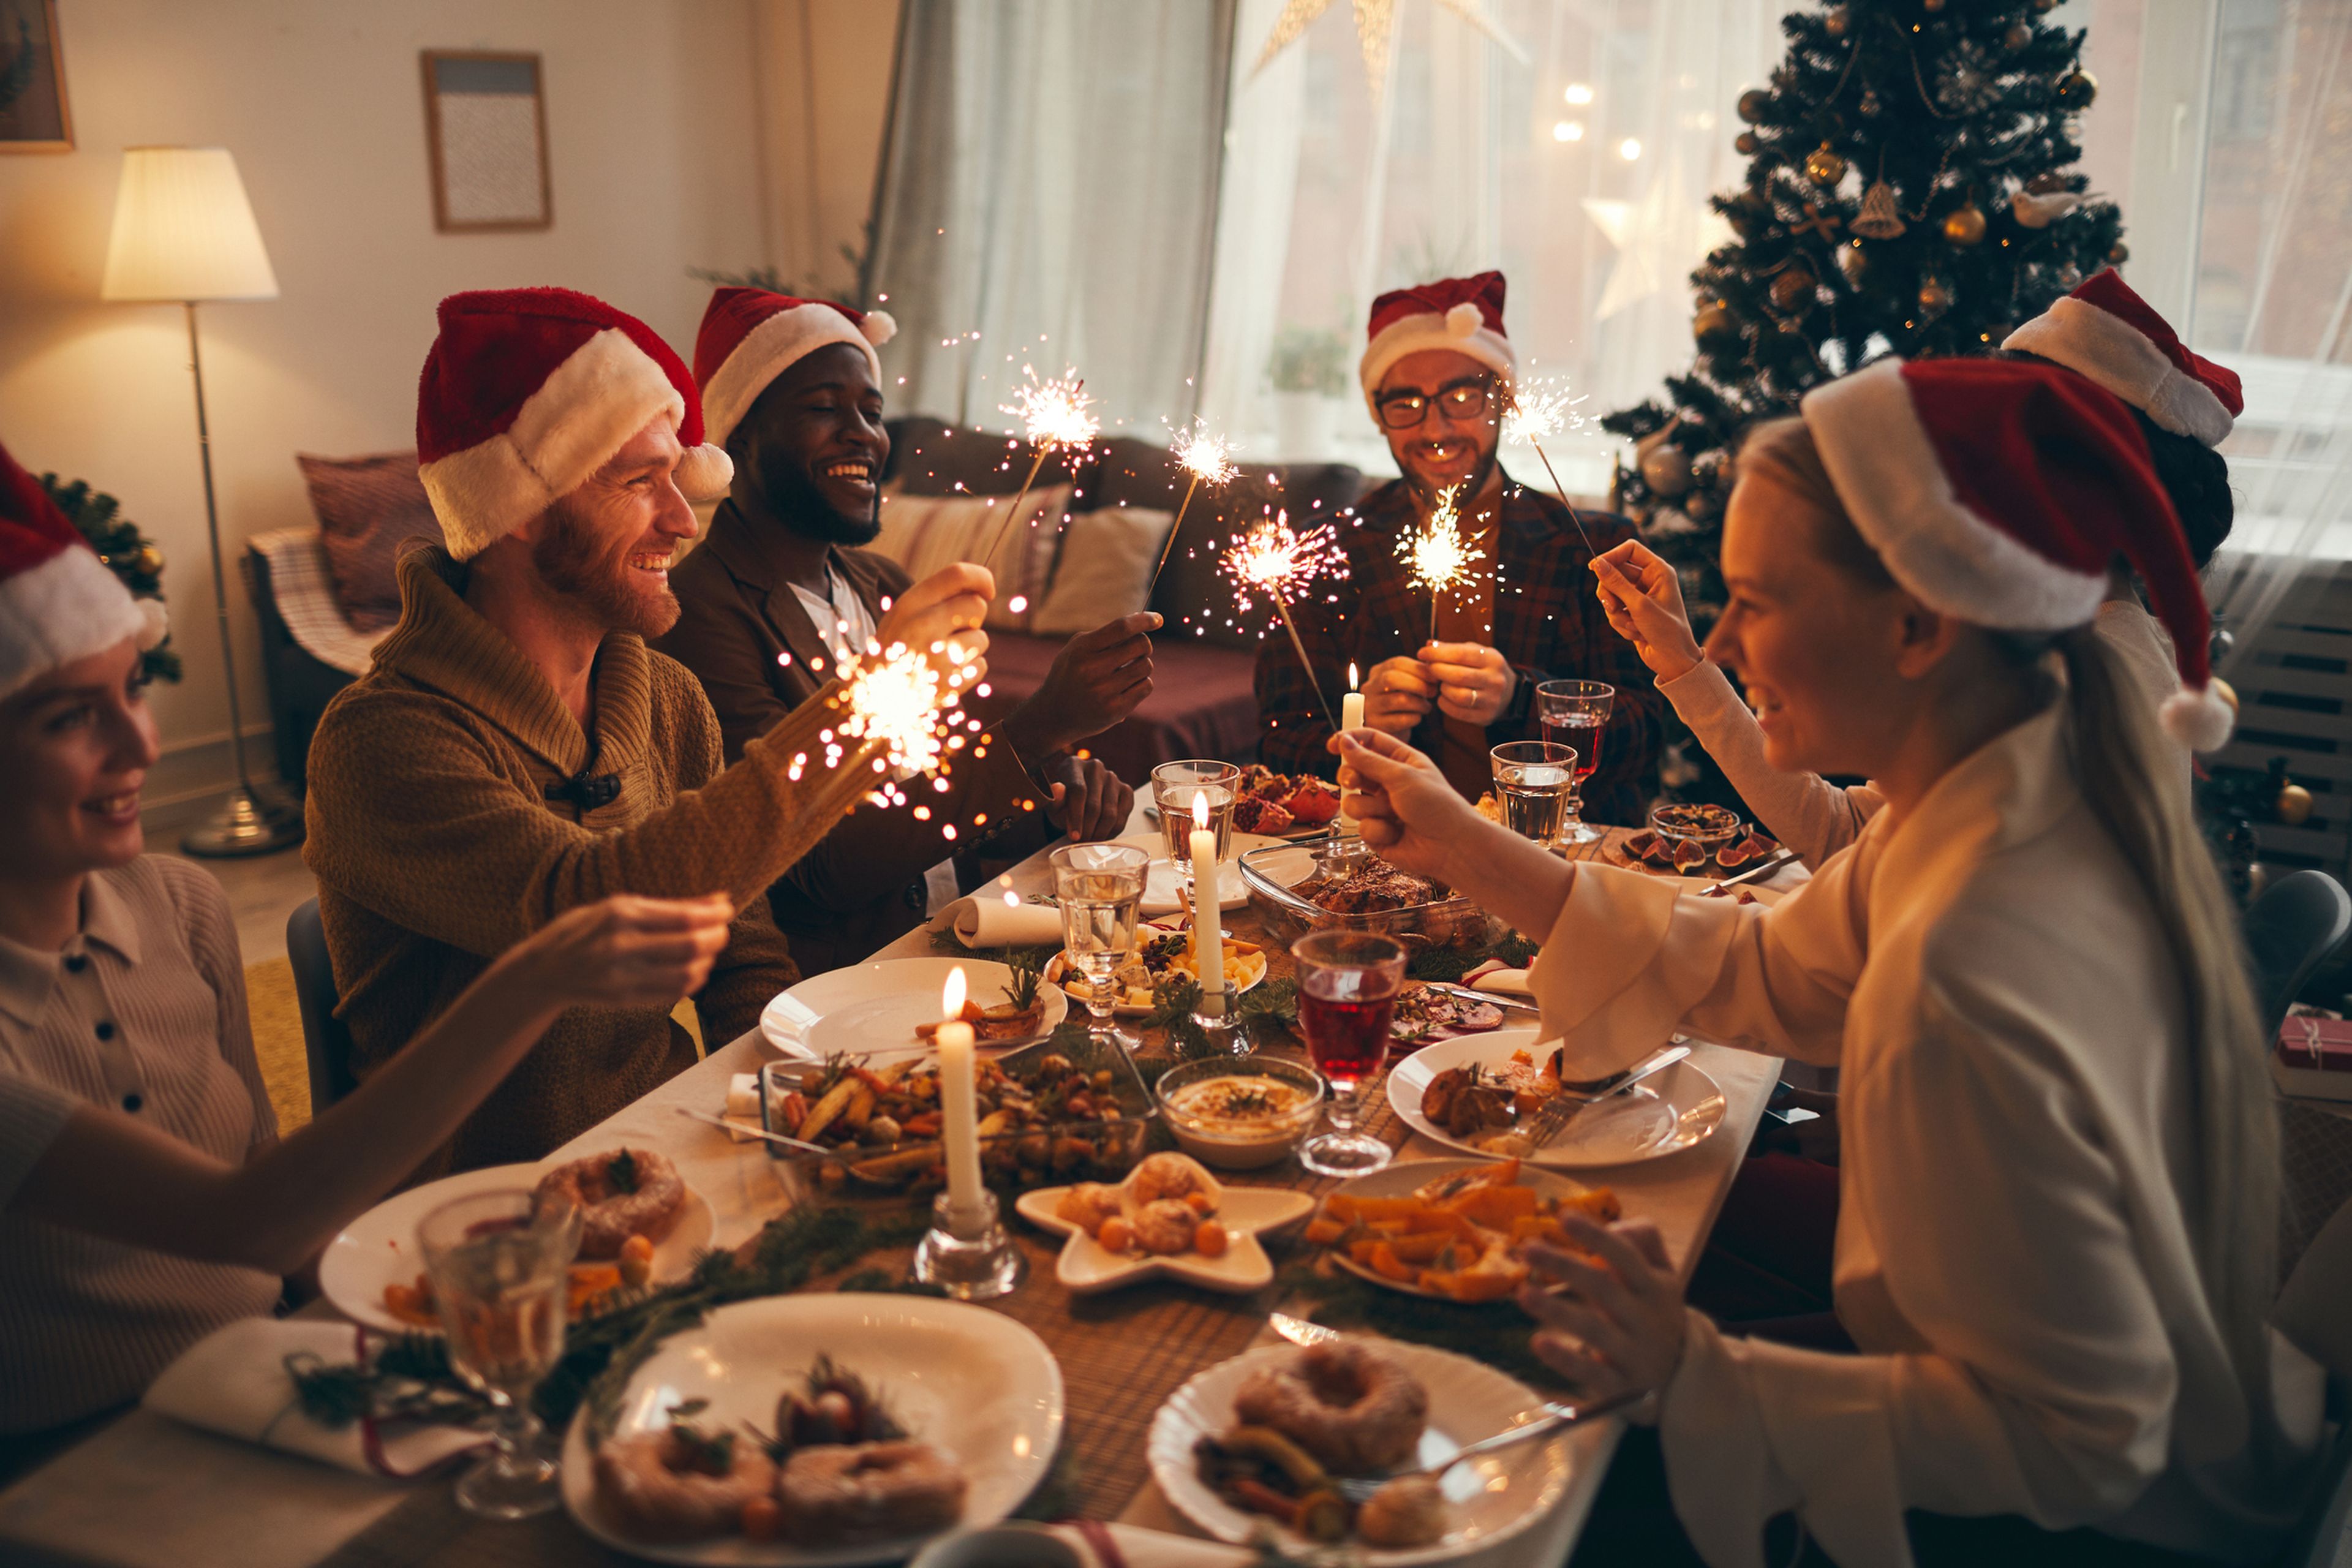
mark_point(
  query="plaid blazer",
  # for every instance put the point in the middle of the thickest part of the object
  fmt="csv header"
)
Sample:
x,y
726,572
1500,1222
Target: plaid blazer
x,y
1548,623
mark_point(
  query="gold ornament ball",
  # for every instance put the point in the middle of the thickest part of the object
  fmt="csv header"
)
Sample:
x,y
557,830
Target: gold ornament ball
x,y
1666,469
2046,6
1713,321
1934,296
2077,89
1965,227
2018,36
150,560
2293,805
1753,103
1838,21
2119,253
1746,143
2225,691
1933,7
1824,167
1793,290
1855,262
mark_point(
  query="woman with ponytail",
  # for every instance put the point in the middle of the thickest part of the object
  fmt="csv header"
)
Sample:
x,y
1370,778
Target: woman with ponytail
x,y
2059,1170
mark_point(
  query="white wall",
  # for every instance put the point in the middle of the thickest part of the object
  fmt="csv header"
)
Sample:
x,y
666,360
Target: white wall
x,y
654,123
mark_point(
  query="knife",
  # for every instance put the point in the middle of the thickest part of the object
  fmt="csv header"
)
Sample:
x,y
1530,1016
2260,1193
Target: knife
x,y
1757,873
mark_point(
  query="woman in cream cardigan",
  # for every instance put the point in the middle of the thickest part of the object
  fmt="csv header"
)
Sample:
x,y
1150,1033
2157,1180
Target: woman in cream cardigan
x,y
2059,1172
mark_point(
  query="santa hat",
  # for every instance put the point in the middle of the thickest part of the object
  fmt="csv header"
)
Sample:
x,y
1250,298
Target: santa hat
x,y
1464,314
529,391
2110,334
58,602
1999,491
751,336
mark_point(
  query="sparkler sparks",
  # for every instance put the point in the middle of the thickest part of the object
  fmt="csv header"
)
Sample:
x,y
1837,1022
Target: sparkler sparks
x,y
1538,409
1210,462
895,697
1437,556
1057,415
1274,560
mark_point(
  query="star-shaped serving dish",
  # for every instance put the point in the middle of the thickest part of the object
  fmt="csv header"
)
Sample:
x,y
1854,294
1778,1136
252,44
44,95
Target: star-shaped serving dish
x,y
1088,1268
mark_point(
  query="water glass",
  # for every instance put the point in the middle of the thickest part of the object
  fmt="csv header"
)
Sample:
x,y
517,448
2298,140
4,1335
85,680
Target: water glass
x,y
500,1265
1101,889
1348,986
1174,787
1574,715
1533,780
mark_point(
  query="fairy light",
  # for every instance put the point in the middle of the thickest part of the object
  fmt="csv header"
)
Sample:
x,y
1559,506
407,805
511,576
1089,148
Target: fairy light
x,y
1210,461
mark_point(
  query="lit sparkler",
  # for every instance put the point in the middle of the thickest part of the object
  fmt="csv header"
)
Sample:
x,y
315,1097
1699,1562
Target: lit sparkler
x,y
1057,416
894,698
1272,560
1437,556
1210,461
1537,408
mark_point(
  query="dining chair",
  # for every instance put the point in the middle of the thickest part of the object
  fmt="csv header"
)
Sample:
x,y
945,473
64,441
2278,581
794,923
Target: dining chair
x,y
2310,1312
326,1043
2295,925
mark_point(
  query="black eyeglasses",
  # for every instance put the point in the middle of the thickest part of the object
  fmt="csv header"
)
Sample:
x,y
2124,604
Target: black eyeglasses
x,y
1457,400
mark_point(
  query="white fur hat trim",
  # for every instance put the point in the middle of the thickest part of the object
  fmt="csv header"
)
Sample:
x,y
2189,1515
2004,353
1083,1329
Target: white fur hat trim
x,y
68,607
770,347
1460,329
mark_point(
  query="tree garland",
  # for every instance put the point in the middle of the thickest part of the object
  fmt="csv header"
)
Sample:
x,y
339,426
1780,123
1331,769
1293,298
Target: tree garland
x,y
131,555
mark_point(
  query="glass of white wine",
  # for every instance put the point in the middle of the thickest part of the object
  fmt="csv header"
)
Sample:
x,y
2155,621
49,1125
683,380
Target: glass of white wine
x,y
500,1263
1099,888
1174,786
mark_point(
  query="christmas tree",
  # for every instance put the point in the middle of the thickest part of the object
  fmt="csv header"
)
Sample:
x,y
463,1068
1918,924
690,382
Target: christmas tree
x,y
1911,191
133,556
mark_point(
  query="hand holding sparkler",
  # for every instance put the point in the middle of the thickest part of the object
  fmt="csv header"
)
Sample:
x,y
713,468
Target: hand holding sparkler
x,y
1272,560
1208,459
1057,416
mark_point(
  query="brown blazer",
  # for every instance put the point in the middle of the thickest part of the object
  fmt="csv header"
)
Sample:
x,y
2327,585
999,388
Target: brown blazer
x,y
862,887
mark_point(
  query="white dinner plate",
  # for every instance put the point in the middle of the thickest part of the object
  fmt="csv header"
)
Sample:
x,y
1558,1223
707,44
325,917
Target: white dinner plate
x,y
1494,1498
1657,1117
1086,1267
1405,1177
379,1249
872,1008
1160,881
961,1378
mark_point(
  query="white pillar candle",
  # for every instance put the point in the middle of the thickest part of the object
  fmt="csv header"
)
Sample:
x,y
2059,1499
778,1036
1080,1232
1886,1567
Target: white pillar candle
x,y
958,1100
1351,717
1208,940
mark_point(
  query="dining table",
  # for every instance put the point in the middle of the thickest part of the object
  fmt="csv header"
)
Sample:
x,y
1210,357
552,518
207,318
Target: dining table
x,y
144,1491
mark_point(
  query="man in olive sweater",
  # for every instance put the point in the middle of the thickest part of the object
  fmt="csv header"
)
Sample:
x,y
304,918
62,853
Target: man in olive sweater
x,y
516,750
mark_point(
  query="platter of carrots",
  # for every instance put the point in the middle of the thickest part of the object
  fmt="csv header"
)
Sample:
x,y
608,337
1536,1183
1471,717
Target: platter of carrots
x,y
1453,1229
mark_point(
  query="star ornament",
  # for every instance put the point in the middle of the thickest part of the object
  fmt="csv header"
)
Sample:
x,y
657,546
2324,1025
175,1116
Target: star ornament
x,y
1658,239
1375,33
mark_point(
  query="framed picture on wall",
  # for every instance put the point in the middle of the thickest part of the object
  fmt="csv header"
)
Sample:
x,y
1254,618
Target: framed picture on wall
x,y
485,129
32,115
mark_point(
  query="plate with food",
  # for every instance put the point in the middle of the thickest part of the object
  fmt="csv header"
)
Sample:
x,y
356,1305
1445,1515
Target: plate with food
x,y
640,1224
1163,951
1259,1441
1294,807
1474,1092
1692,839
817,1431
1043,1118
892,1005
1427,1014
1170,1219
1452,1229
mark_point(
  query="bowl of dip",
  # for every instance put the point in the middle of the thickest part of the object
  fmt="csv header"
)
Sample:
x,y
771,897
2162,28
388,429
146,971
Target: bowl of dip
x,y
1239,1113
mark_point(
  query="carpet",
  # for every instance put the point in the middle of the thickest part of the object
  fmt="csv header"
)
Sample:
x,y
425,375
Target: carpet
x,y
278,1039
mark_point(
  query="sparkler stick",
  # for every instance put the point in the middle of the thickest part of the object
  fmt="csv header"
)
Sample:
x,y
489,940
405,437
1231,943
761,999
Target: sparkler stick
x,y
1274,560
1057,416
1205,457
1292,627
1537,409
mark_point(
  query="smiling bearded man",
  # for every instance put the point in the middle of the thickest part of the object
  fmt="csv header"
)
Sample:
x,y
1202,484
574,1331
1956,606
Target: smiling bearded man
x,y
1437,375
783,589
516,750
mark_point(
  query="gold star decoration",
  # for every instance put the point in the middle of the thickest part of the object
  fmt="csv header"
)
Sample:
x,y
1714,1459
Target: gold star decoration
x,y
1658,239
1375,32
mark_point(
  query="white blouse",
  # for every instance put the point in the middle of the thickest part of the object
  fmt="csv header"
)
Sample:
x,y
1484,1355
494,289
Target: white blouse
x,y
2014,1255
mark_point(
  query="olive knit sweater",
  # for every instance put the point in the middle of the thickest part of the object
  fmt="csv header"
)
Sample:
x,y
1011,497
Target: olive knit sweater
x,y
437,846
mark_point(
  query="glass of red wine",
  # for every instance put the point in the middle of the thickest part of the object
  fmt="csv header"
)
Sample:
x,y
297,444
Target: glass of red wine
x,y
1575,714
1348,986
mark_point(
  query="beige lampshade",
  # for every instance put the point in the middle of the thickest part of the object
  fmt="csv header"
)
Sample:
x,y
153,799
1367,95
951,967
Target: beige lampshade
x,y
183,230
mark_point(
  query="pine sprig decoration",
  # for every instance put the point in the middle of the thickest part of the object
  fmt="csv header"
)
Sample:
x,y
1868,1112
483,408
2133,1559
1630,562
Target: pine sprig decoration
x,y
130,555
1912,188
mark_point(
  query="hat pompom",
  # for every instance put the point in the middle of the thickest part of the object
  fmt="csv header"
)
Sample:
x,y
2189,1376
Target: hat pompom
x,y
879,327
705,472
2199,719
155,622
1464,319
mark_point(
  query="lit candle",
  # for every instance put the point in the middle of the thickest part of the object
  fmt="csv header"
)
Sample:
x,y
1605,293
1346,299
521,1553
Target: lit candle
x,y
1208,940
1351,717
958,1100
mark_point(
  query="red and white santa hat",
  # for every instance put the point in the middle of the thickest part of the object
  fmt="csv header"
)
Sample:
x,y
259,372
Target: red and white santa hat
x,y
527,391
2107,332
1464,314
751,336
58,602
2000,492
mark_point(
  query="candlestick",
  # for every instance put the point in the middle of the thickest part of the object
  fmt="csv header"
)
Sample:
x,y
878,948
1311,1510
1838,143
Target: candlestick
x,y
959,1101
1208,939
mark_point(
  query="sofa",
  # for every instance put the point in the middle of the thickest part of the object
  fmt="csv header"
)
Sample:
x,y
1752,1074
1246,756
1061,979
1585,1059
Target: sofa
x,y
325,595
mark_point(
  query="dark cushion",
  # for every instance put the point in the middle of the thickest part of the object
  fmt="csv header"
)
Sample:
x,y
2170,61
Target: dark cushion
x,y
372,512
1202,702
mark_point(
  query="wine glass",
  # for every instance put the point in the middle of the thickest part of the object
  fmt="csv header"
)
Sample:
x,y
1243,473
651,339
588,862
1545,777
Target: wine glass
x,y
1101,889
1348,986
1533,779
1574,715
500,1265
1175,786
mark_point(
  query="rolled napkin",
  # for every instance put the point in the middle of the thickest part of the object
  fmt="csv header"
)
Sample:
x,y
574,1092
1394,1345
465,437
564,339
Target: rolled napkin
x,y
234,1381
1493,976
743,1107
985,919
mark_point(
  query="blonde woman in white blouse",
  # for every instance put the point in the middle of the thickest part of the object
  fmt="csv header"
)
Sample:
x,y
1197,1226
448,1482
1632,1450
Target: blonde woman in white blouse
x,y
2059,1172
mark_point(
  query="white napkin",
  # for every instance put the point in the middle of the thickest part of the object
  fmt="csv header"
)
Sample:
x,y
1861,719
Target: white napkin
x,y
1492,976
985,919
234,1382
742,1111
1131,1546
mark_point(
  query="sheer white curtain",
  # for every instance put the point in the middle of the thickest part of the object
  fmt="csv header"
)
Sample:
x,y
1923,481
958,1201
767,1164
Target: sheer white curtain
x,y
1048,198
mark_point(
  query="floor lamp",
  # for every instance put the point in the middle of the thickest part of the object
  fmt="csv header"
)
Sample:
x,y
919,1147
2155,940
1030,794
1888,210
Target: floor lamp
x,y
184,232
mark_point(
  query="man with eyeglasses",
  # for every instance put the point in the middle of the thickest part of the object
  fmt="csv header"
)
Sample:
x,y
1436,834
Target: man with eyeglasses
x,y
1437,373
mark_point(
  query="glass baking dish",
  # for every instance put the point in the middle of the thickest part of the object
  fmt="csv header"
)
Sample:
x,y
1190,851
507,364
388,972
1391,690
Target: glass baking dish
x,y
1274,874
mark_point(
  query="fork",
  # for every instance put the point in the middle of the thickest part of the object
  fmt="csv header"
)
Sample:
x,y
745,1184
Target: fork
x,y
1551,1418
1564,1107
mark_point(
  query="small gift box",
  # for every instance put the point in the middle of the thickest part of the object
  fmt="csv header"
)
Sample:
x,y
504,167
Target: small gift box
x,y
2313,1058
